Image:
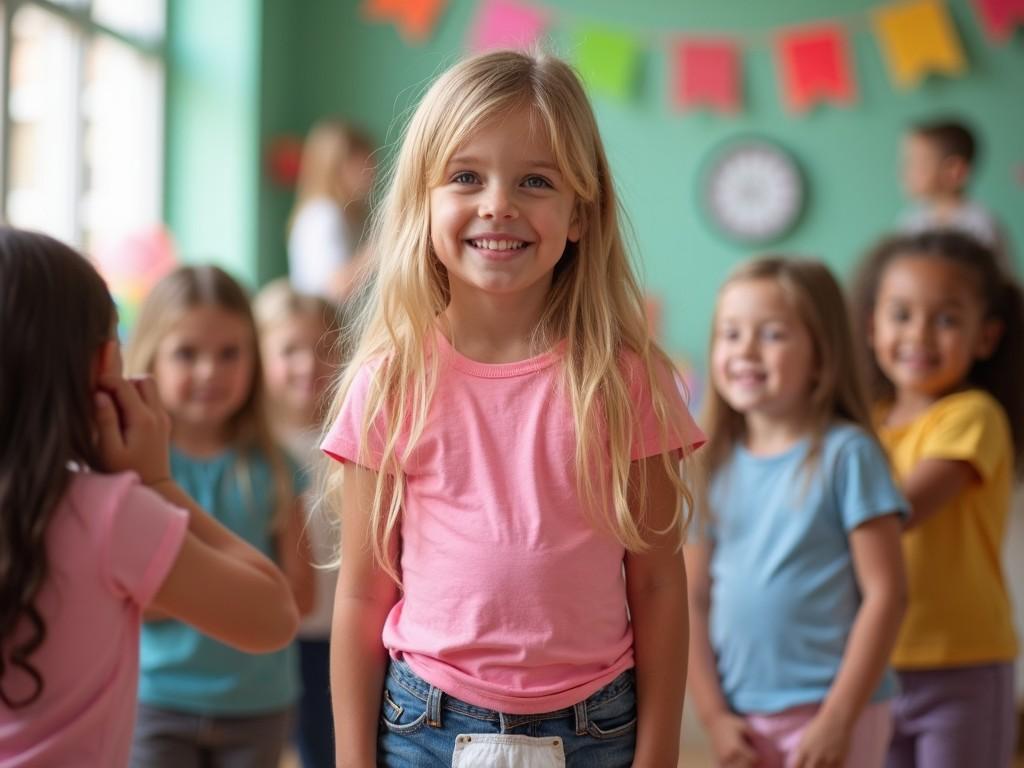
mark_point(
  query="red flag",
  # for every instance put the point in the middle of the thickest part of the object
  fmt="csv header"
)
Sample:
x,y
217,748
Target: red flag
x,y
707,73
814,63
999,17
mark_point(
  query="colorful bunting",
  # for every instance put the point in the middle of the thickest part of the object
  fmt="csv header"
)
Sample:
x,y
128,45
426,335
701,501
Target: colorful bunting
x,y
414,18
707,73
507,24
917,37
999,17
814,66
608,60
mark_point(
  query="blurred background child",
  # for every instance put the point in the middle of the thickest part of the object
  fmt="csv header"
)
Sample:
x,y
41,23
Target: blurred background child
x,y
797,585
944,328
938,161
200,700
299,343
331,206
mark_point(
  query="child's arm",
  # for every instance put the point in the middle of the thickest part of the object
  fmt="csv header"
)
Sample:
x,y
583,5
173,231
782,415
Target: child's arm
x,y
932,483
218,583
878,562
728,731
296,557
656,591
364,597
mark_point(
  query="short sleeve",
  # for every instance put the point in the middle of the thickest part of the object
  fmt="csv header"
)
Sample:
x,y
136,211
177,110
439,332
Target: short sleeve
x,y
970,427
343,441
141,538
680,430
864,485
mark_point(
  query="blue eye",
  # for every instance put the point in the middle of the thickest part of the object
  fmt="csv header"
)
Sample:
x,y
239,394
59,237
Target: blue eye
x,y
464,177
537,182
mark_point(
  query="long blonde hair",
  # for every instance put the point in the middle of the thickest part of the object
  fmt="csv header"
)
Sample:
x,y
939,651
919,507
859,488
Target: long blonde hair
x,y
838,388
248,429
330,144
594,303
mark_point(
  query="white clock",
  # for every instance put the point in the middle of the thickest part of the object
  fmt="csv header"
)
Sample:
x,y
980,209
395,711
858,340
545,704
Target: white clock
x,y
753,191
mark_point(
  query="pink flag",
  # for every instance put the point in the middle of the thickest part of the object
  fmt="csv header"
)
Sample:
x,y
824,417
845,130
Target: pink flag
x,y
507,24
707,73
814,64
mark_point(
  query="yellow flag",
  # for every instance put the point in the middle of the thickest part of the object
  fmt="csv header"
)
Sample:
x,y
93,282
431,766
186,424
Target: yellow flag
x,y
917,37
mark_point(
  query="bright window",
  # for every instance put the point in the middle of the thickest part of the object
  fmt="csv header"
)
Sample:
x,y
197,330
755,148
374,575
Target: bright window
x,y
83,119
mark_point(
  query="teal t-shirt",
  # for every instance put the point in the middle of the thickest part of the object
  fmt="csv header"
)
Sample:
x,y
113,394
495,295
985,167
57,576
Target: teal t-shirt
x,y
186,671
784,593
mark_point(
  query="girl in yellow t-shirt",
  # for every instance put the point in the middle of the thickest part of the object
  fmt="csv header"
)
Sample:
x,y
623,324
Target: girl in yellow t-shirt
x,y
944,327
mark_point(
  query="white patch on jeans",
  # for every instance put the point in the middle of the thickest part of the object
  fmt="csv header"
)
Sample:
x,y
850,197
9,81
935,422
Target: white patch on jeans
x,y
484,750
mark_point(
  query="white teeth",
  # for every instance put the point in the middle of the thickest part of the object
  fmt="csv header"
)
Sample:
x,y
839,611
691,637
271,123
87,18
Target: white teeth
x,y
499,245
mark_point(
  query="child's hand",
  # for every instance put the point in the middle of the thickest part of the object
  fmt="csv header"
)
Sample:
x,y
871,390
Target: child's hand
x,y
133,430
824,744
730,739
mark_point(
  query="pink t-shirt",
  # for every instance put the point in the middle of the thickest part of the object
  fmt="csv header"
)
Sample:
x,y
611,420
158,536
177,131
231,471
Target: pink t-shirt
x,y
111,544
512,600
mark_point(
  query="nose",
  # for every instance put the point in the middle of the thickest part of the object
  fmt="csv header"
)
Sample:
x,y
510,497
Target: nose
x,y
496,203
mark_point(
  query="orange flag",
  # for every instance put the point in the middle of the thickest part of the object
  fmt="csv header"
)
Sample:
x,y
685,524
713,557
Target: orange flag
x,y
414,18
917,37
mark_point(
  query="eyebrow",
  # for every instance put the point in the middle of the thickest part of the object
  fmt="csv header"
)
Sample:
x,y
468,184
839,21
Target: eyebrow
x,y
473,160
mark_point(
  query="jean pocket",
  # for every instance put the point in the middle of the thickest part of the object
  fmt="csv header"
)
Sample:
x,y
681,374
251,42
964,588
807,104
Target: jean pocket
x,y
612,718
400,711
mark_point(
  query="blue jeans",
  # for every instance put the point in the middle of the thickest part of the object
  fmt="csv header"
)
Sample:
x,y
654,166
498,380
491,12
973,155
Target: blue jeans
x,y
420,724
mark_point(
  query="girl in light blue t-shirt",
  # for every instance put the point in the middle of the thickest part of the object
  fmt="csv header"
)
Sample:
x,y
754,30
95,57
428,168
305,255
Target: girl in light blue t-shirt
x,y
796,581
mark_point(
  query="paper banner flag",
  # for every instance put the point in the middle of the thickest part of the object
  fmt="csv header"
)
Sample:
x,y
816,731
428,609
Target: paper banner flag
x,y
506,24
415,19
608,60
917,37
707,73
814,65
999,17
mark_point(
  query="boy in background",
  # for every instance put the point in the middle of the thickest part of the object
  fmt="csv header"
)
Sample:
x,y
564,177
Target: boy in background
x,y
938,159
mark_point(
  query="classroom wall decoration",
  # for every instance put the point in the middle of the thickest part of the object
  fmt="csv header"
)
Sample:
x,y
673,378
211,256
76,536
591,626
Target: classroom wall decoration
x,y
916,38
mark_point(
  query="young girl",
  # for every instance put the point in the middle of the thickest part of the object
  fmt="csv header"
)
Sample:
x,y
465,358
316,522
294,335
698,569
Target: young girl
x,y
510,439
298,341
945,329
796,585
199,700
326,229
94,529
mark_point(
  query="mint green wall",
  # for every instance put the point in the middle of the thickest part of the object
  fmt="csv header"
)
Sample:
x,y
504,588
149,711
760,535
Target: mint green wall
x,y
213,132
315,57
849,155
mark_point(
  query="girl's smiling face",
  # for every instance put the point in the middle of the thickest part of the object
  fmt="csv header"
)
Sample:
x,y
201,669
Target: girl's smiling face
x,y
929,325
503,214
204,366
762,356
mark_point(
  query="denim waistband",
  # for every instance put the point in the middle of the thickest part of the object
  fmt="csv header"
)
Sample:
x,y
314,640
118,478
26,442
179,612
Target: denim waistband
x,y
403,675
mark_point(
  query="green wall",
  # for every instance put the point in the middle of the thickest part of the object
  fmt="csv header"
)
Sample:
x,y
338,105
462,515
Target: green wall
x,y
322,58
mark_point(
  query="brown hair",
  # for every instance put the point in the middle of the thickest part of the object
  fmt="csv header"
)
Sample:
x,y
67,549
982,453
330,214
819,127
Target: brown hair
x,y
55,314
838,389
951,137
1002,373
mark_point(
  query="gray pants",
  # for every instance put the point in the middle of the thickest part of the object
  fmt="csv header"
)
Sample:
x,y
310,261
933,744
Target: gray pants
x,y
166,739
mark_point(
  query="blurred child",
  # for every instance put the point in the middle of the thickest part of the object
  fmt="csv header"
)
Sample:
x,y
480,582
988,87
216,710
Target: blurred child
x,y
298,340
199,700
797,584
945,331
94,528
938,160
326,229
508,439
